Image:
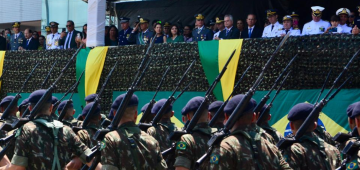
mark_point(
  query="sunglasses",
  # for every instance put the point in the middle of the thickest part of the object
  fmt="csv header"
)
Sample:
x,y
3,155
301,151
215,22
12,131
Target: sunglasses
x,y
69,25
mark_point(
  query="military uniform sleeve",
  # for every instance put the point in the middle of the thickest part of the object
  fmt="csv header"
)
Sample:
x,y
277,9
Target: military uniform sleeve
x,y
151,131
84,137
77,147
22,143
221,159
294,157
108,150
184,155
282,163
161,162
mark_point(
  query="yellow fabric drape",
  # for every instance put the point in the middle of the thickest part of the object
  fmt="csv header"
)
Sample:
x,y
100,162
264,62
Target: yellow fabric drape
x,y
94,66
2,57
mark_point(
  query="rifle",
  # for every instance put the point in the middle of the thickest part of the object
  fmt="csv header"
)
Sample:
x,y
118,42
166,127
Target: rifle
x,y
69,101
323,87
147,112
48,76
285,142
55,106
343,137
4,72
258,107
350,150
169,101
262,117
220,110
237,113
203,106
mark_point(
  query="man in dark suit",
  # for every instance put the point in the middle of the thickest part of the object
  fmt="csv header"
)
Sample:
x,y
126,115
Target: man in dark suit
x,y
68,39
124,34
2,43
201,33
29,43
144,36
251,31
230,32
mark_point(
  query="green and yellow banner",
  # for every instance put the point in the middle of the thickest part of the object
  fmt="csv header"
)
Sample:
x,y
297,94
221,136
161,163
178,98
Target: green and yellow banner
x,y
2,57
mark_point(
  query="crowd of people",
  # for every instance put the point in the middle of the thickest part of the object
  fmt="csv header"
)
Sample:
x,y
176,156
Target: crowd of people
x,y
222,27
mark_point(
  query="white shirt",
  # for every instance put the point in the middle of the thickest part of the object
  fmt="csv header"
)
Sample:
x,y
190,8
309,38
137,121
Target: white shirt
x,y
346,29
67,44
17,35
291,30
313,27
274,32
52,41
216,34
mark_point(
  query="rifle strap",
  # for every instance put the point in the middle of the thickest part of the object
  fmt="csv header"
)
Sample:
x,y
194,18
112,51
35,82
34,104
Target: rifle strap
x,y
320,144
55,126
133,148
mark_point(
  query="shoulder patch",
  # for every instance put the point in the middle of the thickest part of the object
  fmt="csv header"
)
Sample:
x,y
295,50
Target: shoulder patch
x,y
180,146
102,145
352,165
214,159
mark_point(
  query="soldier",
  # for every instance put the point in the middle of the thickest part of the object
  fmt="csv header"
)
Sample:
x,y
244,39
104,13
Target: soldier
x,y
37,148
219,24
86,135
165,126
3,106
124,34
150,117
344,13
310,152
128,147
23,106
274,28
53,101
68,119
52,40
213,108
260,130
317,25
90,98
201,33
287,27
17,38
324,135
351,121
270,130
244,148
144,36
192,146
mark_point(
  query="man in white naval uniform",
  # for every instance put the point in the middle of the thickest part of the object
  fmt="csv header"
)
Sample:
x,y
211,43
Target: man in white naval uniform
x,y
287,27
344,13
52,40
274,28
317,25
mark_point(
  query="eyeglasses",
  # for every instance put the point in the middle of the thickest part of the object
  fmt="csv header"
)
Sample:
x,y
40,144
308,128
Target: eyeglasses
x,y
69,25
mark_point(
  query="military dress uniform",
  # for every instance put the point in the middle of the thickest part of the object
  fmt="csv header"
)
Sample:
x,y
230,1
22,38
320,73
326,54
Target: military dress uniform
x,y
142,37
313,27
124,35
272,30
52,41
344,11
16,39
202,33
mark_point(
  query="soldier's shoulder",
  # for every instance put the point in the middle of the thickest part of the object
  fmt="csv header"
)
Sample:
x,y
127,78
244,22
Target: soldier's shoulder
x,y
148,138
113,136
83,132
188,138
331,147
231,141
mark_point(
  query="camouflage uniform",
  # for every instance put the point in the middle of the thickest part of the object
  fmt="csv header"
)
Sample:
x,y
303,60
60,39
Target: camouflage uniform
x,y
130,148
11,119
54,116
263,133
192,146
312,153
324,135
161,133
237,152
276,135
86,135
71,121
218,126
34,146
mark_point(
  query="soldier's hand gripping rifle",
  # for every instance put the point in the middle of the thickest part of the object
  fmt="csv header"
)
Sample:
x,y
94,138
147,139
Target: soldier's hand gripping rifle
x,y
263,115
237,113
13,103
69,101
48,76
286,142
175,136
169,101
220,110
147,113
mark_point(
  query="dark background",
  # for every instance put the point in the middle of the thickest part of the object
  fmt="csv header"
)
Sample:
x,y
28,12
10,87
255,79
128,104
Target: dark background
x,y
184,10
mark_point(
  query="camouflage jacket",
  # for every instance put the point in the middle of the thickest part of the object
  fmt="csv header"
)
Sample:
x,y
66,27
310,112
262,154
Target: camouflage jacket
x,y
10,120
130,148
218,126
34,146
54,116
263,133
312,153
237,152
324,135
161,133
353,162
192,146
71,121
276,135
86,135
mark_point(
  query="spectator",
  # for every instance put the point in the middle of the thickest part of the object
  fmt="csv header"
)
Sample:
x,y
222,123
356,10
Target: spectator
x,y
274,28
30,43
48,30
143,36
295,17
154,22
52,40
112,39
17,38
167,26
287,21
335,27
107,28
201,33
317,25
240,26
187,33
175,35
344,13
35,35
41,42
212,26
7,36
357,18
2,43
219,24
251,31
159,37
230,32
124,34
84,33
351,19
68,39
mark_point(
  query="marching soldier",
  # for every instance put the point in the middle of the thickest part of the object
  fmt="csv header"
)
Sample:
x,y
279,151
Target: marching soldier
x,y
213,108
275,27
260,130
69,119
144,36
201,33
90,98
128,147
352,125
23,106
311,152
124,34
192,146
52,40
244,148
53,101
17,38
150,117
270,130
86,135
3,106
324,135
165,126
317,25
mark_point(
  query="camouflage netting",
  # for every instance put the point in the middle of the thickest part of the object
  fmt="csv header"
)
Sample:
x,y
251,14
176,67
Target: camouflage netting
x,y
317,55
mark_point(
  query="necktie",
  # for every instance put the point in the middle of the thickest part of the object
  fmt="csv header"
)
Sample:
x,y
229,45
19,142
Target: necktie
x,y
272,27
250,32
286,31
67,45
15,36
227,32
27,42
53,36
